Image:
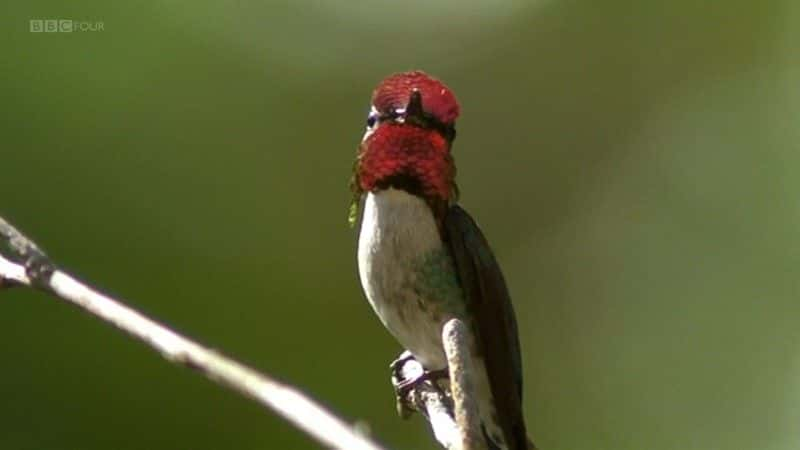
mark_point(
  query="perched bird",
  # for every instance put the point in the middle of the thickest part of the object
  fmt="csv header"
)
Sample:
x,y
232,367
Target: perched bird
x,y
422,260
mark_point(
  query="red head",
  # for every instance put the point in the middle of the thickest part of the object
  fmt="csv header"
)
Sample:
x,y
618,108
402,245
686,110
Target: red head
x,y
395,91
407,144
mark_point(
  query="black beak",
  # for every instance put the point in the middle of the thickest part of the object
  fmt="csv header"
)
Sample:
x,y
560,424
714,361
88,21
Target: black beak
x,y
414,107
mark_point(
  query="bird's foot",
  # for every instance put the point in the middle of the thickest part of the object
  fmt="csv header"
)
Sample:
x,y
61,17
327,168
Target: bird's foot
x,y
405,380
405,386
397,364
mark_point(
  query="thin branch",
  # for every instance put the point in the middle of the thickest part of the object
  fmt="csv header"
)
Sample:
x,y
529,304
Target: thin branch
x,y
22,263
459,361
451,410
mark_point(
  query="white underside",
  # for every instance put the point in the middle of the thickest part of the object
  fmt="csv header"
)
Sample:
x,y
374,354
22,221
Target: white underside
x,y
398,228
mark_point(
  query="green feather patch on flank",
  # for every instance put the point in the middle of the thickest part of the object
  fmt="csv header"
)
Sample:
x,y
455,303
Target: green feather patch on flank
x,y
352,216
438,280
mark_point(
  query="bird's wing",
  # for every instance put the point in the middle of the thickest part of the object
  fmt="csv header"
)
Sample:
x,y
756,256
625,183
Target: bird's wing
x,y
496,326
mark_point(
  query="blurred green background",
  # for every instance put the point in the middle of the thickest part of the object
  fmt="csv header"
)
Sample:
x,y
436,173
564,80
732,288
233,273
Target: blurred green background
x,y
634,165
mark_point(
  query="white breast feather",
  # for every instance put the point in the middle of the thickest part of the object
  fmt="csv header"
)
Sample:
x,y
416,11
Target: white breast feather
x,y
398,228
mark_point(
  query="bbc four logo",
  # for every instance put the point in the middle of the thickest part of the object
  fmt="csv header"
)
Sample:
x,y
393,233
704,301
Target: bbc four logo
x,y
64,26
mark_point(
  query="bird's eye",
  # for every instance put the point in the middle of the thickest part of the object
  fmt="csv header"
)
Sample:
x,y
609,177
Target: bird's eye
x,y
372,119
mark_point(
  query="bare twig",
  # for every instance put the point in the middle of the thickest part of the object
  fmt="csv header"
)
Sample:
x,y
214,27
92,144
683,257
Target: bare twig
x,y
451,410
459,361
22,263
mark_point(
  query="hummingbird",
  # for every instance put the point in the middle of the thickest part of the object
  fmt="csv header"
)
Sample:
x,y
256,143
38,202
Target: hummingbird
x,y
422,260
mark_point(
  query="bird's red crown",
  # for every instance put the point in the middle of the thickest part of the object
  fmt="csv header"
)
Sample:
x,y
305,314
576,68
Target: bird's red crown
x,y
437,99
